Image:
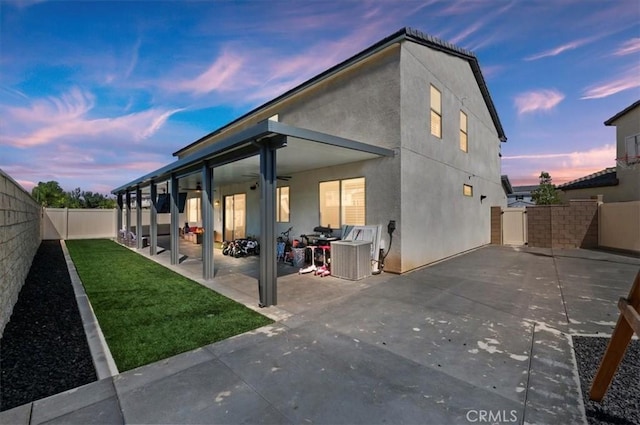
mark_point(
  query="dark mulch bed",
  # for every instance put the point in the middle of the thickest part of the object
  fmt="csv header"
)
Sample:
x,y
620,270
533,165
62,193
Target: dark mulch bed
x,y
43,350
621,404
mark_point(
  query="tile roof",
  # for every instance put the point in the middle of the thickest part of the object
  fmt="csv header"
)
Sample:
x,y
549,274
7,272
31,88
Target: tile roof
x,y
606,177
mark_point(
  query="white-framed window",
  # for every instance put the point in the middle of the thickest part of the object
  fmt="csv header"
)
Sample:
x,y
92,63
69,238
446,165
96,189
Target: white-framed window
x,y
463,132
631,149
436,112
342,202
282,208
193,210
467,190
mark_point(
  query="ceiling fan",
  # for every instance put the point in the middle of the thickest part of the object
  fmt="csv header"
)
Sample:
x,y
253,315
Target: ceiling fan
x,y
257,176
198,187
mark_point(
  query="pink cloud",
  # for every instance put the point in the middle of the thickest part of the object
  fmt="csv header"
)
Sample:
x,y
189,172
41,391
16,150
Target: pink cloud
x,y
251,74
221,75
540,100
560,49
66,117
628,80
563,167
628,47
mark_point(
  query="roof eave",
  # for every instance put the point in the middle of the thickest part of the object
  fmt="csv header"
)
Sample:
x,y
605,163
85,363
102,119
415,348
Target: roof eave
x,y
626,110
405,33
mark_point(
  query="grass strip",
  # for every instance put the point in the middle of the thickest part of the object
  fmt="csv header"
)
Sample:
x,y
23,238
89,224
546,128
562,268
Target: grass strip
x,y
148,312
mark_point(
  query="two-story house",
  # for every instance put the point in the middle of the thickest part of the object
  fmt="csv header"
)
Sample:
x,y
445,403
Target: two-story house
x,y
622,182
404,132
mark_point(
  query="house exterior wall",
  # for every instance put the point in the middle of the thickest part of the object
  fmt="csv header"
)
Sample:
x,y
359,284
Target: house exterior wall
x,y
437,220
384,101
626,125
20,237
609,193
362,104
629,176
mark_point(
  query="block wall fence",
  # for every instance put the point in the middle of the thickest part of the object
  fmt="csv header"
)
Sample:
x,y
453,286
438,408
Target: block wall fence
x,y
20,237
572,225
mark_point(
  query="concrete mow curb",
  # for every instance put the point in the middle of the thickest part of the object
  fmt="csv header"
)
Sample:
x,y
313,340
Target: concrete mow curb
x,y
100,353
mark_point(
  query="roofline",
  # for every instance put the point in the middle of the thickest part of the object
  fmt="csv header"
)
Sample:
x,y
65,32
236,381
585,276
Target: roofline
x,y
606,171
405,33
611,120
243,144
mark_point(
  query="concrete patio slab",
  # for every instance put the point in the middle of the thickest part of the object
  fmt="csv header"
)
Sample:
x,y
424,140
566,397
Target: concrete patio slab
x,y
95,403
485,333
317,375
553,390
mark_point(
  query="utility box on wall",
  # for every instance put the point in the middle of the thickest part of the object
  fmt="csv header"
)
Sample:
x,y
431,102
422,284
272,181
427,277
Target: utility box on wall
x,y
351,259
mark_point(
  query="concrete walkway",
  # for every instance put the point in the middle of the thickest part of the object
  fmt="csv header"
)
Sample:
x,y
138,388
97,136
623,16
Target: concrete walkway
x,y
487,332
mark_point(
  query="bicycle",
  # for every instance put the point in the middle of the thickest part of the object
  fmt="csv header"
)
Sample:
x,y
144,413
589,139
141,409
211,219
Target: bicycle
x,y
283,247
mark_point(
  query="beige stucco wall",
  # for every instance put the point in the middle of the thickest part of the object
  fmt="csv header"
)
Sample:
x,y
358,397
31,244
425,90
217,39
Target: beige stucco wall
x,y
437,220
620,226
385,102
626,125
20,236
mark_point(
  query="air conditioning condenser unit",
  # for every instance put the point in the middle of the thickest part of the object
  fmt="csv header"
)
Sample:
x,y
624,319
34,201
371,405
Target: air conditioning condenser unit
x,y
351,259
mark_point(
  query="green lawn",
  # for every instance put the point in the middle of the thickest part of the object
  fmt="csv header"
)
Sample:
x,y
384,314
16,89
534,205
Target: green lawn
x,y
147,312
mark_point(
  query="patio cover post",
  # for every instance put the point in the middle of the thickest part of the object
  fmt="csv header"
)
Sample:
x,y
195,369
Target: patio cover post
x,y
119,214
175,217
153,224
127,216
138,218
207,221
268,285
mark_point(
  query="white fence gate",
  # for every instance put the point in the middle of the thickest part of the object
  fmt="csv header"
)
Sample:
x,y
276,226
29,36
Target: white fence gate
x,y
514,226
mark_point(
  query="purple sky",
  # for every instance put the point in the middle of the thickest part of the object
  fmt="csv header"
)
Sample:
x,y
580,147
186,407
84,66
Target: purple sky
x,y
95,94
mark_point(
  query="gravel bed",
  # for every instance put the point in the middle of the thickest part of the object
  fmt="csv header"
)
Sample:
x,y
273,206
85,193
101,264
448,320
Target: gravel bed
x,y
44,350
621,404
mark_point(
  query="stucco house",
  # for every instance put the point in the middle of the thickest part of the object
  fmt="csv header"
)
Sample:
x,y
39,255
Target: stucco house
x,y
404,131
622,182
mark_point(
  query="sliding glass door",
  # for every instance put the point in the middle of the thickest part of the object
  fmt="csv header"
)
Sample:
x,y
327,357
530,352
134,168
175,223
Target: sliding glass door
x,y
235,212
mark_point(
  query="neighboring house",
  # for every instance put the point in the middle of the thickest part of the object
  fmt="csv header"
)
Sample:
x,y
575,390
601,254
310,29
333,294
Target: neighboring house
x,y
521,196
621,183
405,132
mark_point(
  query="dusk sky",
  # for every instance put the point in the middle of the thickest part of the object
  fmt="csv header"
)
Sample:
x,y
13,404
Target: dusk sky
x,y
95,94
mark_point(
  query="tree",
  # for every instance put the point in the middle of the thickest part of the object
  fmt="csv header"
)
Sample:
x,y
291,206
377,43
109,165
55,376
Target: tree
x,y
546,193
49,194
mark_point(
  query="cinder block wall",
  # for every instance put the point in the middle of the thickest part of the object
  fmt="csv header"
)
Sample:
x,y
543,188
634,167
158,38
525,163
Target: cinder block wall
x,y
496,225
20,236
539,225
564,226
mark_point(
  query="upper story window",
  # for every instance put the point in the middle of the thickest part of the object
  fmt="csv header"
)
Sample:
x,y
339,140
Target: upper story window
x,y
467,190
631,150
463,132
436,112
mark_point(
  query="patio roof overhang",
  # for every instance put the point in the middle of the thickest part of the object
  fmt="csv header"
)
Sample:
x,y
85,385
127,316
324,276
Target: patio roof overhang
x,y
306,150
248,150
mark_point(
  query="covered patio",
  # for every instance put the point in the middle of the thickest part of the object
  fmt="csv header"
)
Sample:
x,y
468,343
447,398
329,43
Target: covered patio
x,y
245,156
237,278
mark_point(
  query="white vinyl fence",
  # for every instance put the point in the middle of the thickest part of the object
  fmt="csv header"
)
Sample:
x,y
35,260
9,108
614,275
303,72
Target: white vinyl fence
x,y
65,223
514,226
